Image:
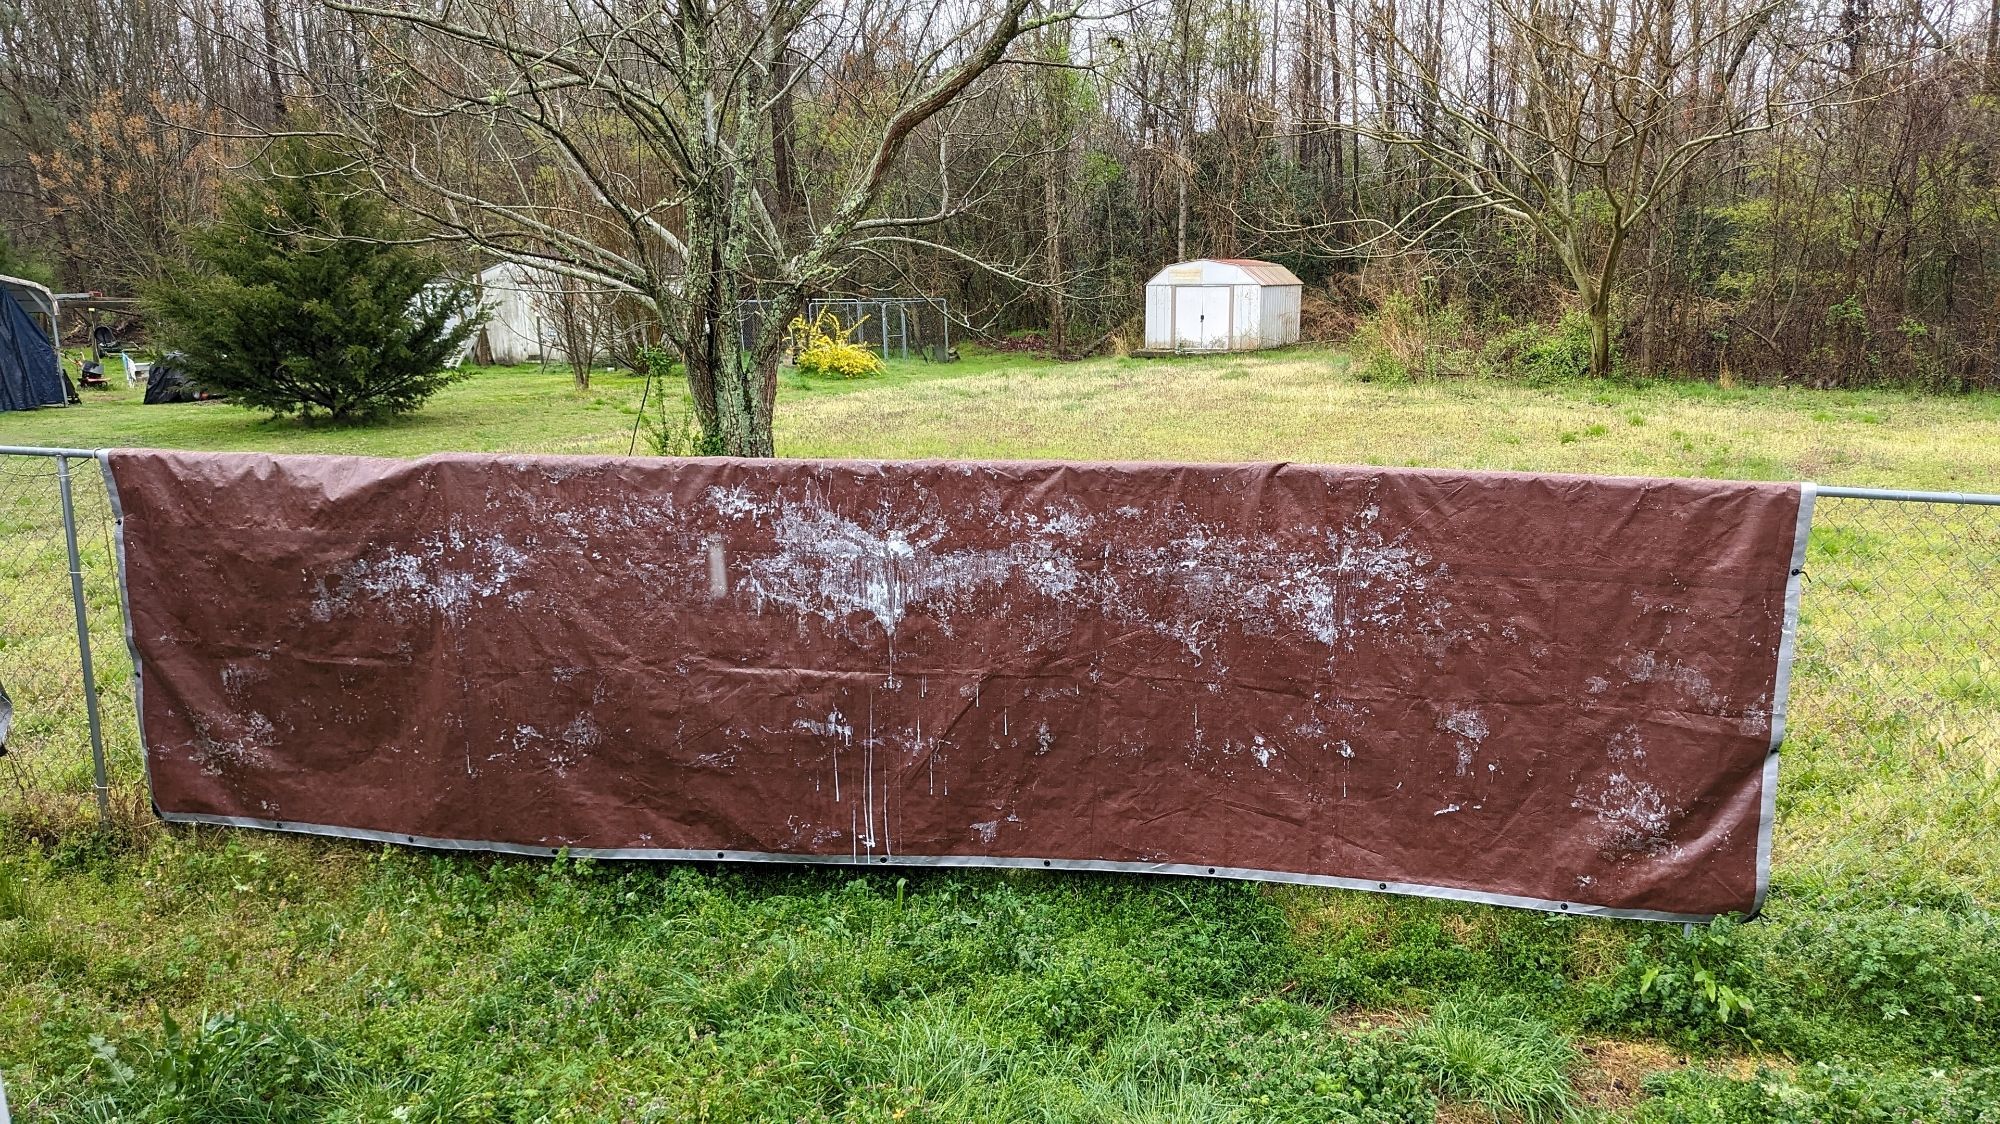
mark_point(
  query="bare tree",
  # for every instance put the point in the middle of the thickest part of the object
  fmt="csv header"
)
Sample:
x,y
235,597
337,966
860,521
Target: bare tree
x,y
635,146
1602,107
582,316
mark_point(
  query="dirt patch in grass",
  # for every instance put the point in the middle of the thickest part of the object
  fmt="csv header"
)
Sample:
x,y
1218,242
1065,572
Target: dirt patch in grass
x,y
1363,1020
1614,1068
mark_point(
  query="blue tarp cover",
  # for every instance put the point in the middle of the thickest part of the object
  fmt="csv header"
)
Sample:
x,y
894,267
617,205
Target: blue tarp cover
x,y
29,376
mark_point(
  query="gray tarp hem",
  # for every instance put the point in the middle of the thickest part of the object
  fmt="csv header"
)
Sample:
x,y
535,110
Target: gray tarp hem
x,y
1102,866
125,611
1781,692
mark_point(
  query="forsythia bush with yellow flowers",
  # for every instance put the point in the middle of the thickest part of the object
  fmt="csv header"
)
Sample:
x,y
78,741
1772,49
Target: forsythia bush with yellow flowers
x,y
821,346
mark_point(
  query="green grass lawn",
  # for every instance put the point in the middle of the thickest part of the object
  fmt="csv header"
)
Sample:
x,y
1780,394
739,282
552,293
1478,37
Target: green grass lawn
x,y
1297,405
148,974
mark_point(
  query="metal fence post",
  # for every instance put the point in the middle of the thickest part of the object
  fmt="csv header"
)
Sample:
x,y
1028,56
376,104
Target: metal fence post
x,y
83,639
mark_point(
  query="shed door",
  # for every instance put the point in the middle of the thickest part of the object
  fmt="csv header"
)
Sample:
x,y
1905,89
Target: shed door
x,y
1201,317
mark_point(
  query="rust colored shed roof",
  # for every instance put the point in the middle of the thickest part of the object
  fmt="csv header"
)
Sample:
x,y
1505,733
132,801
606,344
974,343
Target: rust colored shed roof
x,y
1244,270
1266,272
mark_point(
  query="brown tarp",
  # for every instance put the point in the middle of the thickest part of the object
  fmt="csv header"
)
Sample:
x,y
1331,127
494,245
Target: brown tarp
x,y
1552,691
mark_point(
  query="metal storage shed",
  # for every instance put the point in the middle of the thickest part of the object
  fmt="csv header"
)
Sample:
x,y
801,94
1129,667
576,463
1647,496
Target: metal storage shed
x,y
1222,304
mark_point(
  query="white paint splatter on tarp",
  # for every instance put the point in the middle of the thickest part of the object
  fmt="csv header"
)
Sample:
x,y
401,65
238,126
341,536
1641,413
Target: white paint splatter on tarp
x,y
1649,667
1755,721
561,751
835,726
831,567
1634,815
1468,727
734,502
442,574
1340,588
1634,812
581,733
237,677
248,747
880,564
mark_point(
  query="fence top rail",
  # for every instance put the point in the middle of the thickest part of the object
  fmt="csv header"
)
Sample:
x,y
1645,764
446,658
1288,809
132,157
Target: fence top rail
x,y
1830,491
1903,494
38,451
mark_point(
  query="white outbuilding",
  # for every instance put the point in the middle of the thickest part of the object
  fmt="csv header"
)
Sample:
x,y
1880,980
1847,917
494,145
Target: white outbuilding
x,y
1222,304
518,328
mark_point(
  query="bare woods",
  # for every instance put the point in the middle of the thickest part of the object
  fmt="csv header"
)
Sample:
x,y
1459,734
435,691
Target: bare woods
x,y
1797,190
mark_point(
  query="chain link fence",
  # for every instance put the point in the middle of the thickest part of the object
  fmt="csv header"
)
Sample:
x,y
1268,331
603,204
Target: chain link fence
x,y
1891,771
69,687
894,327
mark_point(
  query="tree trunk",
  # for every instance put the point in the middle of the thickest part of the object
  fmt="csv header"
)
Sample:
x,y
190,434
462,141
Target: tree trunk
x,y
790,191
741,424
1181,210
1600,336
735,387
272,76
1052,207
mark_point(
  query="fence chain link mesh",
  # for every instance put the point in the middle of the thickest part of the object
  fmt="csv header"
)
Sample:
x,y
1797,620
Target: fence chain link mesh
x,y
1892,760
48,771
893,327
1895,731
